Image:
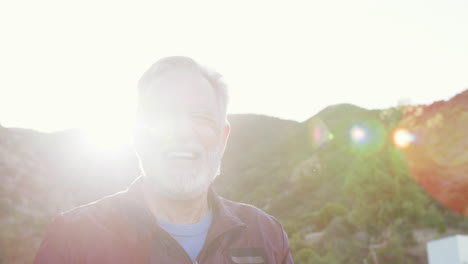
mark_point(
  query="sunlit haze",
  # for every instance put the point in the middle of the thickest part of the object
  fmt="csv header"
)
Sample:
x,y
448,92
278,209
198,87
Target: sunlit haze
x,y
76,64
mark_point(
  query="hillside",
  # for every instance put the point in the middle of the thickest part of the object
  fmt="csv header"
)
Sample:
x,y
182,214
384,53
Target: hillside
x,y
344,192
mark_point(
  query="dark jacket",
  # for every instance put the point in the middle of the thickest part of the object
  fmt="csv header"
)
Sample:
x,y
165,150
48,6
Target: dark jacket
x,y
120,229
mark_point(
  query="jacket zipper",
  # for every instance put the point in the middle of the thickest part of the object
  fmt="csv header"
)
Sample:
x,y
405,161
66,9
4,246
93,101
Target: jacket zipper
x,y
172,240
206,246
178,246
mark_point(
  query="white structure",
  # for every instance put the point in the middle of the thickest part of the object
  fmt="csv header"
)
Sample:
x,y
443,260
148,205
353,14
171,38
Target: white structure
x,y
449,250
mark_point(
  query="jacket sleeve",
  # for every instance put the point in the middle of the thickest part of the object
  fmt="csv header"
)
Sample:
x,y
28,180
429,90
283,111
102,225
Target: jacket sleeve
x,y
287,257
55,246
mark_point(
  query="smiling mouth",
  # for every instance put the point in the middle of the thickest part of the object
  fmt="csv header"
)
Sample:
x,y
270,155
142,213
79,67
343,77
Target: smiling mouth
x,y
188,155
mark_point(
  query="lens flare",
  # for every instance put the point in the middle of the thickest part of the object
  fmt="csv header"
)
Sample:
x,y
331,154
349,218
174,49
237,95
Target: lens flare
x,y
319,133
402,138
366,137
358,134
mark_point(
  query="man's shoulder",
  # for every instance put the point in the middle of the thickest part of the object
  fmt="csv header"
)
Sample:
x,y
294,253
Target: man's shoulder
x,y
101,210
91,230
250,214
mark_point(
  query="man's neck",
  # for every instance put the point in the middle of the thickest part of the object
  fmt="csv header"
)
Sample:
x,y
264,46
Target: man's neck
x,y
182,212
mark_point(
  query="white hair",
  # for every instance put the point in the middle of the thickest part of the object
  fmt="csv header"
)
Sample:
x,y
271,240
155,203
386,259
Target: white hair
x,y
185,63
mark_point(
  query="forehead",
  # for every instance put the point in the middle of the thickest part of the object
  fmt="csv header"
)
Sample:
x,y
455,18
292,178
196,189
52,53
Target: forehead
x,y
181,90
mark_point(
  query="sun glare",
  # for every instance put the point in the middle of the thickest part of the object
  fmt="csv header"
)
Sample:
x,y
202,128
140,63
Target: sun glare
x,y
109,137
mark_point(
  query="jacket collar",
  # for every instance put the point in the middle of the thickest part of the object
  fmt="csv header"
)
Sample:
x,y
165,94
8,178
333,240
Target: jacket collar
x,y
139,214
224,219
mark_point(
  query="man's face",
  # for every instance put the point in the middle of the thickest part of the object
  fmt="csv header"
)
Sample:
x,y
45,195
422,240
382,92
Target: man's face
x,y
181,134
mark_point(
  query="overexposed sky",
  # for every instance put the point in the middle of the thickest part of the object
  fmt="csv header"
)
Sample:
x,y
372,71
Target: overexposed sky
x,y
66,64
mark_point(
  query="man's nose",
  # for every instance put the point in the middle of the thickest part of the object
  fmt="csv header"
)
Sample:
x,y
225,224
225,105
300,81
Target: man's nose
x,y
178,128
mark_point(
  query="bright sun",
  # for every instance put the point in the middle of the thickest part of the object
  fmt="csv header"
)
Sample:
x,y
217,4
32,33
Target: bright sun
x,y
109,135
109,138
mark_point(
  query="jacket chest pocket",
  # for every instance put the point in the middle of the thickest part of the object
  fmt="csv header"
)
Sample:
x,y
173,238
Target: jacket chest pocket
x,y
246,256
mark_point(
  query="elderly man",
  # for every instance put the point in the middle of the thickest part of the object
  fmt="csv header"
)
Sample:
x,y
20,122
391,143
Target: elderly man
x,y
170,214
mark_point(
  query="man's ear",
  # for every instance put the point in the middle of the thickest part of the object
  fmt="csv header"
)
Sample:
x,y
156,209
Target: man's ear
x,y
225,135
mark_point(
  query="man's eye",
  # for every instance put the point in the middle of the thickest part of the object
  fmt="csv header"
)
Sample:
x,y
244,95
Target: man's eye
x,y
204,119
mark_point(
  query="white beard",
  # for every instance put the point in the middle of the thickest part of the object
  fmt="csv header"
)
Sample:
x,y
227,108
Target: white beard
x,y
183,185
